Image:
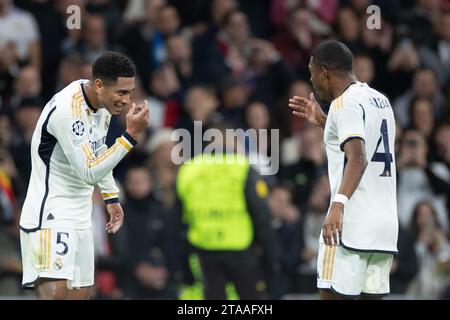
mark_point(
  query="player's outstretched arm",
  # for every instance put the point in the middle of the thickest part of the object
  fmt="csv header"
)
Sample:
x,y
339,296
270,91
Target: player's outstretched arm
x,y
308,109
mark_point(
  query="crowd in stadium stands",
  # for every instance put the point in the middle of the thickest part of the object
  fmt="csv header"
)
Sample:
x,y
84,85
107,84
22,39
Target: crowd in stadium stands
x,y
233,61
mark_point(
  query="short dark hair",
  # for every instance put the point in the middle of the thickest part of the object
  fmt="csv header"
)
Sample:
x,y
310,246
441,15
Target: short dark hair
x,y
333,55
112,65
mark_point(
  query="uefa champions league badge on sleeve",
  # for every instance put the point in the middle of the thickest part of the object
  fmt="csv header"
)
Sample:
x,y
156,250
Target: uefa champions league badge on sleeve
x,y
78,128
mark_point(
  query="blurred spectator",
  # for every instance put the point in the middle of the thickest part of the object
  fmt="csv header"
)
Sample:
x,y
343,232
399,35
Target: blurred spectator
x,y
25,117
10,263
111,13
147,242
5,132
143,42
377,44
433,251
27,85
258,142
179,54
314,215
271,75
286,222
219,8
364,68
348,27
402,65
139,10
296,41
19,36
424,85
442,142
235,95
421,117
168,21
72,35
437,55
417,179
255,9
164,88
162,168
301,175
299,88
404,265
69,70
417,21
107,265
194,14
224,51
325,10
94,40
200,104
52,28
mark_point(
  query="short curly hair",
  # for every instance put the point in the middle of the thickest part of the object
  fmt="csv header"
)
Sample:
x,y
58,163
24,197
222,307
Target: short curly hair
x,y
112,65
333,55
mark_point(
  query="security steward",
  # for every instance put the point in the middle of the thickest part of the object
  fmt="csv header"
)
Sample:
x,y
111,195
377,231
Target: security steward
x,y
226,219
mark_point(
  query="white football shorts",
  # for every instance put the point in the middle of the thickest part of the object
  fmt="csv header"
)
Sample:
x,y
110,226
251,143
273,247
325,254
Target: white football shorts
x,y
350,273
58,253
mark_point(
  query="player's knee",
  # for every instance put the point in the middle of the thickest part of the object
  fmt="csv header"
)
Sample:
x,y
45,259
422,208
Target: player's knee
x,y
80,293
51,289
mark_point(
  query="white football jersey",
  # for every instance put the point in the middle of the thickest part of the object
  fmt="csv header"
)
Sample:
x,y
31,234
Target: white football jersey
x,y
69,157
370,219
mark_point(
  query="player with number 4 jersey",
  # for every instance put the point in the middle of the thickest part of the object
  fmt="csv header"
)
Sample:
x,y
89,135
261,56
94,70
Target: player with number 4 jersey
x,y
371,214
359,235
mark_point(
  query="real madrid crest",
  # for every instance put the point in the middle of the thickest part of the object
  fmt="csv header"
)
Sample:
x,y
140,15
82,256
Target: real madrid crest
x,y
58,264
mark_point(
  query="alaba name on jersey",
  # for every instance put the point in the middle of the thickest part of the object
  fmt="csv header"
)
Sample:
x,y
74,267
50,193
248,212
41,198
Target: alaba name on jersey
x,y
69,157
370,216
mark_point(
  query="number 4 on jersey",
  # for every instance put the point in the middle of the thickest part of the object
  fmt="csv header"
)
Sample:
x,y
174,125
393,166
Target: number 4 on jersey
x,y
385,156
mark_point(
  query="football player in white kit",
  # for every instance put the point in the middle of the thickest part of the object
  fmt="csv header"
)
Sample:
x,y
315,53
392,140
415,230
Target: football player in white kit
x,y
69,157
359,235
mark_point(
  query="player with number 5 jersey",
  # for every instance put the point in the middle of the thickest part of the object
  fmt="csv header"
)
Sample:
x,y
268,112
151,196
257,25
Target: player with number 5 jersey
x,y
359,235
69,157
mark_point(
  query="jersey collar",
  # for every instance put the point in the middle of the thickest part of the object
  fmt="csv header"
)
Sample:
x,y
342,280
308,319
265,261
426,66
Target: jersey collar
x,y
86,100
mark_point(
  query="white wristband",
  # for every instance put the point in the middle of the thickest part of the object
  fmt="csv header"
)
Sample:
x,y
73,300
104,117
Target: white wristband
x,y
340,198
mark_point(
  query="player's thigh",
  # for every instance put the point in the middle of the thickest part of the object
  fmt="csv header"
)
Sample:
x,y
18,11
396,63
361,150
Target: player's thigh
x,y
340,270
376,280
84,261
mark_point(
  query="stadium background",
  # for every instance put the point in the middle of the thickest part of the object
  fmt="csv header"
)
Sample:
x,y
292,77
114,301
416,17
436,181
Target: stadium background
x,y
249,56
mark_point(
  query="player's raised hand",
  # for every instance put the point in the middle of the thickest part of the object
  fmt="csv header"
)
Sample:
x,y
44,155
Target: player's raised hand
x,y
137,119
116,217
308,109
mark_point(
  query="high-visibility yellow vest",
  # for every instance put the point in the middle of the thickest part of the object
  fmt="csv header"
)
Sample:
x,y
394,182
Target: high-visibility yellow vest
x,y
214,204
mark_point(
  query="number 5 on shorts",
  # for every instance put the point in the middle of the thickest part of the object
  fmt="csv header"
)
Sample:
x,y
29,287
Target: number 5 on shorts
x,y
60,240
